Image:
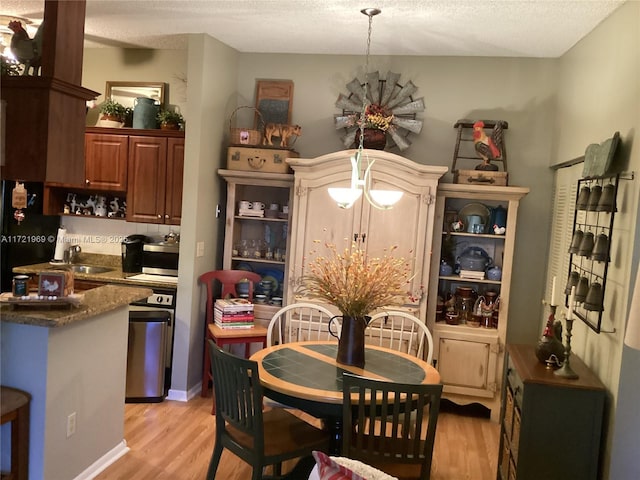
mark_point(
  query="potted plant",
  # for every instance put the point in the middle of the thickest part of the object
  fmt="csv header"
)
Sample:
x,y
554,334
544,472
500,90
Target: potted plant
x,y
170,120
111,110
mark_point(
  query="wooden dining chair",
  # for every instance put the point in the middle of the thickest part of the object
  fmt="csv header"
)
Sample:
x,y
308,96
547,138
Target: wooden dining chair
x,y
260,438
299,322
225,282
380,436
400,331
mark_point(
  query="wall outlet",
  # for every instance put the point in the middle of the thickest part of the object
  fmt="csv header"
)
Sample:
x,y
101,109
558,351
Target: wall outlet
x,y
71,424
199,249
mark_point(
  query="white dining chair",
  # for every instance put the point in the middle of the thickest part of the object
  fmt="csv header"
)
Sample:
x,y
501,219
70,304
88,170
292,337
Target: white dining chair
x,y
400,331
298,322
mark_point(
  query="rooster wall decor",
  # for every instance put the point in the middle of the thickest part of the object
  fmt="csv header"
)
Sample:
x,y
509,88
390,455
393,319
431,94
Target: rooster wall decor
x,y
27,51
488,147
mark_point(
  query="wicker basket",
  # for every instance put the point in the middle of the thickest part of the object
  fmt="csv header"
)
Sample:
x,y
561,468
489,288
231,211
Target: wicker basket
x,y
246,136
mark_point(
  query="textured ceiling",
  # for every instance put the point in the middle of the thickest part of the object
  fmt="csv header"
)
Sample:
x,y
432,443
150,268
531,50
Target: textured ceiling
x,y
520,28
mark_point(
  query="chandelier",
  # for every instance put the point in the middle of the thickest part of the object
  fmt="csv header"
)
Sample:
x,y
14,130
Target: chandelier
x,y
361,161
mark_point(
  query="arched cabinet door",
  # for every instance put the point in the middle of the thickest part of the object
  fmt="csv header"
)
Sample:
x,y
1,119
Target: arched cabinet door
x,y
317,219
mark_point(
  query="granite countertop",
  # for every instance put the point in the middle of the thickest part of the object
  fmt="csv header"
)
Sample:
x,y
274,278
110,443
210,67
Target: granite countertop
x,y
114,276
96,301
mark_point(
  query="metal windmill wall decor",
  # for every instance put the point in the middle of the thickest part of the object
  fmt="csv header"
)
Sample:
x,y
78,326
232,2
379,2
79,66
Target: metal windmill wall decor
x,y
390,107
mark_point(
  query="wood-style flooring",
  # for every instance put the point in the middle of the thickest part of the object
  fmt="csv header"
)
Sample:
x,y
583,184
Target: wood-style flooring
x,y
174,440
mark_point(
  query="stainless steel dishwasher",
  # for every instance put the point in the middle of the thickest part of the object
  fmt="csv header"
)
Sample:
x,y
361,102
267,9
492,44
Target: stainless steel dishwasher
x,y
146,355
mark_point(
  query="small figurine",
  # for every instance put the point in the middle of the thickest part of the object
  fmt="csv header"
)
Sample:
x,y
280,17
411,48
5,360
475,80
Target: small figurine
x,y
499,230
282,131
488,148
457,226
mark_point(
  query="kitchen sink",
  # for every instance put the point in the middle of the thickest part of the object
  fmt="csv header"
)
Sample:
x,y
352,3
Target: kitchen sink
x,y
90,269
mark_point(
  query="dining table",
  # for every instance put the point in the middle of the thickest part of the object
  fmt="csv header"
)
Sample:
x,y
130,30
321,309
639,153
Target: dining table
x,y
307,376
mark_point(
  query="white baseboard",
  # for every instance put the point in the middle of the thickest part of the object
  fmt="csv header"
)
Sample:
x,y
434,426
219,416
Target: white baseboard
x,y
103,462
183,396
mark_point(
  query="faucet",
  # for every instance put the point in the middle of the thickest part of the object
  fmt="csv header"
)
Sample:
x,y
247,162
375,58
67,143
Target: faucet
x,y
71,254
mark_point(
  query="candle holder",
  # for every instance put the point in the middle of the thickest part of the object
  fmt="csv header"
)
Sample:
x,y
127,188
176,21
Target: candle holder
x,y
549,349
565,371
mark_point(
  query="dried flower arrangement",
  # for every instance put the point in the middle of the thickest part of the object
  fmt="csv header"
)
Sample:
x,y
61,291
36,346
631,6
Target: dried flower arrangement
x,y
356,283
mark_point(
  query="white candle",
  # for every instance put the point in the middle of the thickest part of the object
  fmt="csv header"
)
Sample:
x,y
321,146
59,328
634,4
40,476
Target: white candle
x,y
572,301
553,292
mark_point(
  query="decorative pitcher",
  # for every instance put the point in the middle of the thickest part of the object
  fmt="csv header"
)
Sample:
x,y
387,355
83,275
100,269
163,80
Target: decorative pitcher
x,y
145,111
350,339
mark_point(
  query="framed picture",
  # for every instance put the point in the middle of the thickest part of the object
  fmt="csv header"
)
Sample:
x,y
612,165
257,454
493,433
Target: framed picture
x,y
51,284
274,101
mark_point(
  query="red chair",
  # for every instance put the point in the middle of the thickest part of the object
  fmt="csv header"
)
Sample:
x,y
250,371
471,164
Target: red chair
x,y
228,279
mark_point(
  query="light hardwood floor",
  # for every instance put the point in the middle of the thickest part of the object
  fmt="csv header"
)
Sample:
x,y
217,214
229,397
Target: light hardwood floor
x,y
174,440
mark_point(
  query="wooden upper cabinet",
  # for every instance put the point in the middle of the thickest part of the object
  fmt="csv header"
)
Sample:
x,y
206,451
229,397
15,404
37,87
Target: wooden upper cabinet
x,y
154,184
175,172
106,161
45,115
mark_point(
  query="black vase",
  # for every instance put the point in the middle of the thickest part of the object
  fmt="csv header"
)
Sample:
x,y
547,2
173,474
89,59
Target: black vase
x,y
351,342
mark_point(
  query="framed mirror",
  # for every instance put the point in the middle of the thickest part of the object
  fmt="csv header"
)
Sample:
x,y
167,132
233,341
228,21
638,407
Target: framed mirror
x,y
126,92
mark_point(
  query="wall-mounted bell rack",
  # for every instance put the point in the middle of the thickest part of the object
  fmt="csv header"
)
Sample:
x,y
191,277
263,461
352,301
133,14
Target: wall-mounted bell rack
x,y
590,248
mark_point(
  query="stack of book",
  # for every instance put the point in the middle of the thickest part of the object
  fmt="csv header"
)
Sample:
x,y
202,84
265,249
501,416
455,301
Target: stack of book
x,y
233,313
472,274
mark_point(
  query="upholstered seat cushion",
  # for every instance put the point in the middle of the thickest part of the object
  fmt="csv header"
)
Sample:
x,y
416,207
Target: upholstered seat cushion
x,y
341,468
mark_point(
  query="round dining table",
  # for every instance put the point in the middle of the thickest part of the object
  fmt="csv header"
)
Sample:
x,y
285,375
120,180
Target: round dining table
x,y
307,376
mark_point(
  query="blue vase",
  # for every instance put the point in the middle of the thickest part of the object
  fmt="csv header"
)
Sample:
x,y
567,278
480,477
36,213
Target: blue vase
x,y
145,111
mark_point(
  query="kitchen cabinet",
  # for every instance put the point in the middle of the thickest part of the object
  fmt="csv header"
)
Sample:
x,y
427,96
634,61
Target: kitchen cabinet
x,y
105,159
407,226
45,115
551,427
470,356
259,244
154,184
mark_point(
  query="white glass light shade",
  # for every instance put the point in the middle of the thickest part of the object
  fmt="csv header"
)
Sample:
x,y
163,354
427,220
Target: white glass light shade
x,y
345,197
385,198
632,336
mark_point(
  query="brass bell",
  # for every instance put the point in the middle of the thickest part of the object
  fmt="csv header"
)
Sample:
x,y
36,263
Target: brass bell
x,y
583,198
576,240
607,202
593,302
586,245
582,289
572,281
600,251
594,198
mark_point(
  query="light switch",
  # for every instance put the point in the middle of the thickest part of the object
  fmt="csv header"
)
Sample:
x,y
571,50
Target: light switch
x,y
199,249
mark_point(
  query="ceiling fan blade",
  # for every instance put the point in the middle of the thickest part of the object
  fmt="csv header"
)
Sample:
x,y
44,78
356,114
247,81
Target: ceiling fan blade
x,y
373,87
345,103
350,138
389,87
401,141
411,107
345,121
410,124
356,88
405,92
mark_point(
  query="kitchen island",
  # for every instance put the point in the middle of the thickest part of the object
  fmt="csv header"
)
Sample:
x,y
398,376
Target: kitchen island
x,y
72,360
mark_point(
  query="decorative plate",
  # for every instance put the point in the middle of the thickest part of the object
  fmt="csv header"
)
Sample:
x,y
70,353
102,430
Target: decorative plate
x,y
474,209
391,108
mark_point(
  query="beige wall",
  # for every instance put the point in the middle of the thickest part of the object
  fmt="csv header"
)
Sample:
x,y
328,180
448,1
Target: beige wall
x,y
521,91
598,94
555,108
